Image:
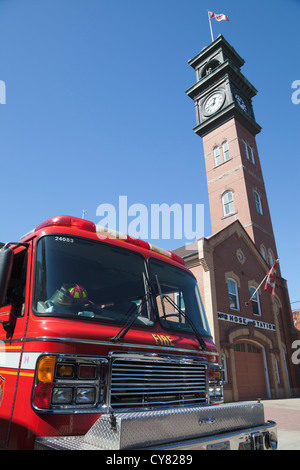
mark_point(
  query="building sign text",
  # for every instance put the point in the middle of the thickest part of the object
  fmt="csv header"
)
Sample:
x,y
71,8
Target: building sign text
x,y
246,321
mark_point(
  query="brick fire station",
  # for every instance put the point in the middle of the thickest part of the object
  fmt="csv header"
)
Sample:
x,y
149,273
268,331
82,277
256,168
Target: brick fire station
x,y
254,338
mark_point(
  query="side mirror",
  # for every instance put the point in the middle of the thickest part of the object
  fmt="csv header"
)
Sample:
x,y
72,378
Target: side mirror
x,y
6,262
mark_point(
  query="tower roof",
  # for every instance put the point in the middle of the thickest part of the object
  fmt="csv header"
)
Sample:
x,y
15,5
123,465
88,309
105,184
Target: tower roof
x,y
219,44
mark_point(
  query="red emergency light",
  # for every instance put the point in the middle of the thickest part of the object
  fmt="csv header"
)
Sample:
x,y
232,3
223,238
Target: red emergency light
x,y
69,221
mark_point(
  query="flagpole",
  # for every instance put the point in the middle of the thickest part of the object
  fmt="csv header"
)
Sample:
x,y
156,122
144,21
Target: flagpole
x,y
211,31
247,303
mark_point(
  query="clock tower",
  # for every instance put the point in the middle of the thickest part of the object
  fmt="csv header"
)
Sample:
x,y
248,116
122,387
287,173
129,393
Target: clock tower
x,y
252,329
227,125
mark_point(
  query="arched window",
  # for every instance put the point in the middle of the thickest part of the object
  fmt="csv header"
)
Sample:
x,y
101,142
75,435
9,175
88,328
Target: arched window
x,y
217,156
258,204
249,152
209,67
252,155
225,148
233,294
227,201
263,252
255,302
217,153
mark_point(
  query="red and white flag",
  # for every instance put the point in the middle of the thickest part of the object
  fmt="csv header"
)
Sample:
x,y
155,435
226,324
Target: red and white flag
x,y
218,17
271,280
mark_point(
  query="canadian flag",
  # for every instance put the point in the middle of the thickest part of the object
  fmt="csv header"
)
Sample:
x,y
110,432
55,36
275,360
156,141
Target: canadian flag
x,y
218,17
271,280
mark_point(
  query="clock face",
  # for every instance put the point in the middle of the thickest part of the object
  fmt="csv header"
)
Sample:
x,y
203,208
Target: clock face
x,y
240,102
214,102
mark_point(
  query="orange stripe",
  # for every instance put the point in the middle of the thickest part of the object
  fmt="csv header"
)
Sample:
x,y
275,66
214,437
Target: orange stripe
x,y
27,374
8,372
23,374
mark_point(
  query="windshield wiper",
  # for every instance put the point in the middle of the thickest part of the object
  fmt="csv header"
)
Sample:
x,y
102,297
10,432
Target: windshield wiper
x,y
134,312
190,322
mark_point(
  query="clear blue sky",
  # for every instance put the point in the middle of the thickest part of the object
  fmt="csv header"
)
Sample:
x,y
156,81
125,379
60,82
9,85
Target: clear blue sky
x,y
96,108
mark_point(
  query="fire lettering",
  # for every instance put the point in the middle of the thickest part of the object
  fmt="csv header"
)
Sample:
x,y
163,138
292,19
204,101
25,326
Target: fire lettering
x,y
162,340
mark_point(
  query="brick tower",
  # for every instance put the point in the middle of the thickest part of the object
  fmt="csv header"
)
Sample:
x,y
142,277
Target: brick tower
x,y
226,123
254,337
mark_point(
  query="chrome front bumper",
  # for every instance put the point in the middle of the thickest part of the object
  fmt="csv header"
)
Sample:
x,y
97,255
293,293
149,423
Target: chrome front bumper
x,y
230,426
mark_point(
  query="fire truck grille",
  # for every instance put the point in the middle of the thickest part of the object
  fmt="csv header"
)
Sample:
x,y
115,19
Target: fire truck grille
x,y
155,383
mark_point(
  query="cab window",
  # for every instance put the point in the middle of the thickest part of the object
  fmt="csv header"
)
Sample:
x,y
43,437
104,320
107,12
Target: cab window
x,y
17,283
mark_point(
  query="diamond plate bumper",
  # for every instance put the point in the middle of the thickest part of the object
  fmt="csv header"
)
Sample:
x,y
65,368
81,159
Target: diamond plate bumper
x,y
182,428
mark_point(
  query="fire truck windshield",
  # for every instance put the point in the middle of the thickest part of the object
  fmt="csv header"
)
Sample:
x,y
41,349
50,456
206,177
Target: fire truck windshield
x,y
179,303
91,280
94,281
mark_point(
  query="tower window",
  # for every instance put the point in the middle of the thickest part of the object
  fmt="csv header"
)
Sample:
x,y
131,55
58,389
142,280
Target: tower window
x,y
217,156
252,155
249,153
263,252
227,201
271,257
255,302
246,151
233,295
225,147
209,67
258,204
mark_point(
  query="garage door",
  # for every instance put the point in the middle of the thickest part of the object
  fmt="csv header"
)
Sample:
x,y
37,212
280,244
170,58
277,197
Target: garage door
x,y
249,371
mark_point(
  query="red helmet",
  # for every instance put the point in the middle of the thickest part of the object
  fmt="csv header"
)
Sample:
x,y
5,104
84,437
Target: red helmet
x,y
67,295
79,294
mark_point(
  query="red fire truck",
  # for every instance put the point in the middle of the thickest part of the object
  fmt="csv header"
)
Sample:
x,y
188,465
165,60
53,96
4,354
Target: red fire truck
x,y
104,344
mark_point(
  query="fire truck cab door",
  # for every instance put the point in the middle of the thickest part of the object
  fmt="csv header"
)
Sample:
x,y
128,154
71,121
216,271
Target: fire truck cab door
x,y
12,329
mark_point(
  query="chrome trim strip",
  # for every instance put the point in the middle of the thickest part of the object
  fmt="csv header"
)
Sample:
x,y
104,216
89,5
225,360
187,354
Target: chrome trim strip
x,y
153,347
234,438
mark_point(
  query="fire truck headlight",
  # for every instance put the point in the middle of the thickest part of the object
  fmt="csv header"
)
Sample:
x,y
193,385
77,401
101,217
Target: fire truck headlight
x,y
69,383
62,396
86,395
